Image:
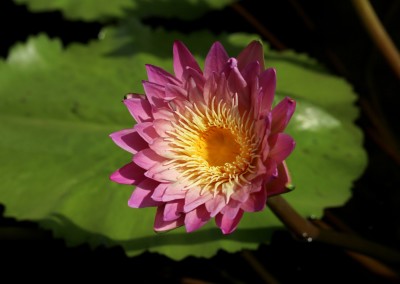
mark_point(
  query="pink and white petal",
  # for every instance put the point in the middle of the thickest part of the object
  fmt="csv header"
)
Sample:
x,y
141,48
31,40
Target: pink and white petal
x,y
226,224
160,76
242,194
283,147
141,196
173,210
162,174
279,184
253,52
162,147
255,202
196,218
128,174
147,159
281,114
194,198
139,107
215,205
182,59
266,95
146,131
173,191
162,126
163,113
215,60
129,140
160,225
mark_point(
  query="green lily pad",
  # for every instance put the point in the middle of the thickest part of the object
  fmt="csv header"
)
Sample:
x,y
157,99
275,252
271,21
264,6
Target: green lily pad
x,y
100,10
59,105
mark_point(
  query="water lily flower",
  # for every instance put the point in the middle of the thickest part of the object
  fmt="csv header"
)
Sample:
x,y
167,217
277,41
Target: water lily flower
x,y
207,143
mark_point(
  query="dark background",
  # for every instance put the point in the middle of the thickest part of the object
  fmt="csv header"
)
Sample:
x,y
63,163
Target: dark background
x,y
327,30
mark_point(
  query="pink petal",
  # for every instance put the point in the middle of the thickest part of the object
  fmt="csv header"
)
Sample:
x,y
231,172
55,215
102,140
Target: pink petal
x,y
196,218
253,52
129,140
182,59
173,92
266,95
194,199
255,202
139,107
147,159
128,174
226,224
281,114
215,60
158,192
163,113
215,205
210,87
279,185
173,191
284,145
197,77
242,194
146,131
231,209
141,196
162,126
160,225
155,94
160,76
162,147
173,210
162,173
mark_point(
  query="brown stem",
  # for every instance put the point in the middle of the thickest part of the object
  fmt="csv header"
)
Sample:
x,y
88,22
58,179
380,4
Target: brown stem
x,y
378,34
305,230
259,268
258,26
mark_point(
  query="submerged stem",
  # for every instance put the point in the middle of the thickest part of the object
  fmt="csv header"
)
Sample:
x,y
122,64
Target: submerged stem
x,y
305,230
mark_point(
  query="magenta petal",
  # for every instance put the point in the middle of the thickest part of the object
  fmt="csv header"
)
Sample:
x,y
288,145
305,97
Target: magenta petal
x,y
182,59
236,81
162,126
166,175
231,209
196,218
279,184
159,191
255,202
284,145
160,76
173,92
253,52
162,147
128,174
147,159
215,60
141,196
281,114
173,210
194,199
139,107
155,94
160,225
226,224
129,140
267,83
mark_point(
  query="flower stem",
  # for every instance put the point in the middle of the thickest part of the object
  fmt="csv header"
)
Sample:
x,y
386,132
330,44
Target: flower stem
x,y
378,33
305,230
